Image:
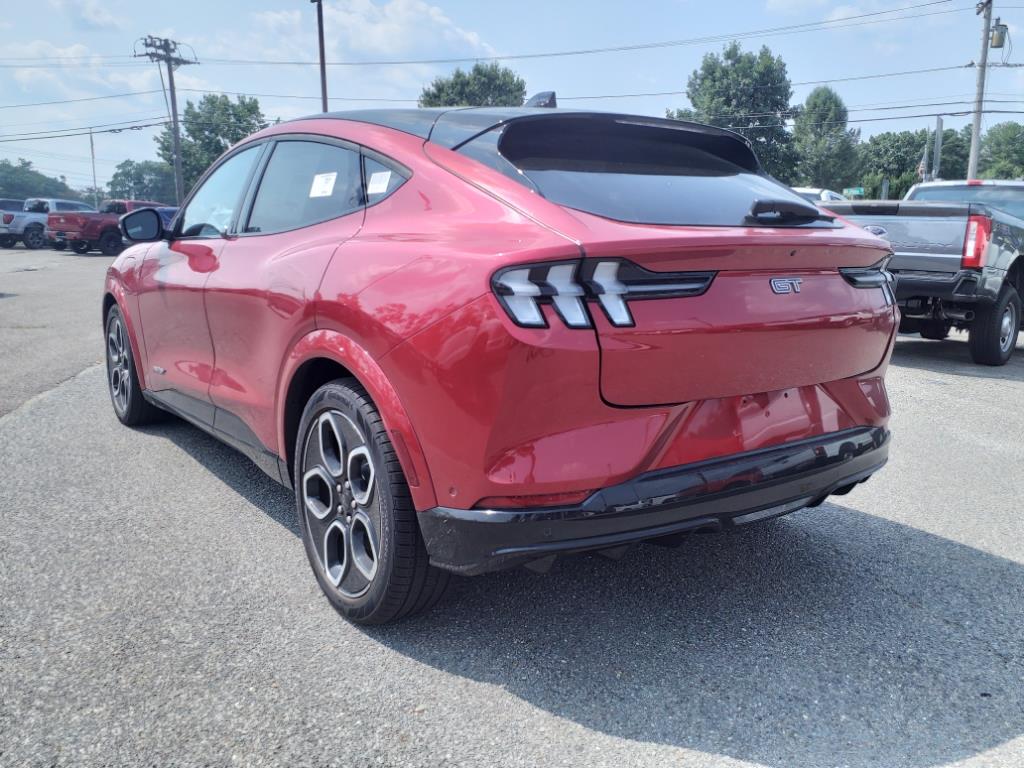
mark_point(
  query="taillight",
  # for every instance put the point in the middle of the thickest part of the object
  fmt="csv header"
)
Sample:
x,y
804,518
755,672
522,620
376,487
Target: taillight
x,y
8,218
570,286
875,276
979,235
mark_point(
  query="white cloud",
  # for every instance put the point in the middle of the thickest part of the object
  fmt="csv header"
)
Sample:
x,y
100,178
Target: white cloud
x,y
88,14
793,6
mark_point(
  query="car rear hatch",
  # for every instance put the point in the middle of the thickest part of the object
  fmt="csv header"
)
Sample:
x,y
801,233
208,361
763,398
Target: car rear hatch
x,y
775,312
704,278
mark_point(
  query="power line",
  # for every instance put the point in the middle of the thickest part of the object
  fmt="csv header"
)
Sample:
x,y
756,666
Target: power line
x,y
823,25
128,94
961,113
789,29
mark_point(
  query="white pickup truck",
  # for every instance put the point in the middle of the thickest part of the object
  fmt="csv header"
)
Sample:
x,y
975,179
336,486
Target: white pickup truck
x,y
957,259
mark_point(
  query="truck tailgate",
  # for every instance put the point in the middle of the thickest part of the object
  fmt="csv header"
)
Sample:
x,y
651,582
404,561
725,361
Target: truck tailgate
x,y
925,237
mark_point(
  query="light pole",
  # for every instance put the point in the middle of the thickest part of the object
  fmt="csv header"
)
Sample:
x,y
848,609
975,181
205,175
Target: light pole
x,y
323,64
979,97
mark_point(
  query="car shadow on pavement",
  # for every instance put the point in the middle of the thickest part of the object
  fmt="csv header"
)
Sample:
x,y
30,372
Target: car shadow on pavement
x,y
831,637
952,357
232,468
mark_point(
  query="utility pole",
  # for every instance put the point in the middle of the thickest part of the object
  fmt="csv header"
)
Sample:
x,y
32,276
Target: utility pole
x,y
95,192
938,147
323,63
984,7
162,50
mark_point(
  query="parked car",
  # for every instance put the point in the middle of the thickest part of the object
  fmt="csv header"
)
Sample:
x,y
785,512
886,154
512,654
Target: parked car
x,y
89,230
817,195
957,261
8,207
482,338
29,224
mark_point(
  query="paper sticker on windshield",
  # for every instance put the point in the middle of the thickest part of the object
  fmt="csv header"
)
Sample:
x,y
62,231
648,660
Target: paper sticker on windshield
x,y
323,184
378,184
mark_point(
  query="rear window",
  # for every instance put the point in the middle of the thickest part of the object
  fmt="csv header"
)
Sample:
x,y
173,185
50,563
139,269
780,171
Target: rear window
x,y
633,171
1009,199
114,206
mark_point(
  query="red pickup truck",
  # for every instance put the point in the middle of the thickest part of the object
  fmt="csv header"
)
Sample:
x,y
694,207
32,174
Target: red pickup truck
x,y
88,230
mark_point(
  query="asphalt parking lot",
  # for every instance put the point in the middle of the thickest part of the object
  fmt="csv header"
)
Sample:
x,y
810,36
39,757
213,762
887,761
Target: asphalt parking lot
x,y
156,607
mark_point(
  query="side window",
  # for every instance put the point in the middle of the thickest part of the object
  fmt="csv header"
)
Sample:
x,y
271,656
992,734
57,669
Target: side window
x,y
306,182
60,206
211,209
381,180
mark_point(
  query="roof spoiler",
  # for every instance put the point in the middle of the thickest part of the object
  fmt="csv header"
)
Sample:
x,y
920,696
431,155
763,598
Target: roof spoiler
x,y
543,99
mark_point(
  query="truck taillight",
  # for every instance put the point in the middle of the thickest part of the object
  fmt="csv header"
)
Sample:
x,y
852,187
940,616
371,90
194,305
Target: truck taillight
x,y
8,218
979,234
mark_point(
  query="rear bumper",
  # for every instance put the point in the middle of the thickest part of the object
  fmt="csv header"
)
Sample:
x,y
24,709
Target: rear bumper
x,y
716,494
963,287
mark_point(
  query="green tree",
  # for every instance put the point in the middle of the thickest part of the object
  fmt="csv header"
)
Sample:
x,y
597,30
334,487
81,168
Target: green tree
x,y
749,93
1002,152
893,155
826,150
485,85
19,179
143,180
956,146
207,130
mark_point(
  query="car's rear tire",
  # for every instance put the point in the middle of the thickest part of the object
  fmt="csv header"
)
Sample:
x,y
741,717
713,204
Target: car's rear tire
x,y
34,238
994,332
110,243
8,241
936,330
80,246
130,407
358,523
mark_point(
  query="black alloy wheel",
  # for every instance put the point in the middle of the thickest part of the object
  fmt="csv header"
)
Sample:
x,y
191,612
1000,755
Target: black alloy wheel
x,y
355,512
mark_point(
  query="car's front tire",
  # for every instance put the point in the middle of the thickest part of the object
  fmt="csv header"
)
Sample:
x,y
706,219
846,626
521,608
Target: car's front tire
x,y
34,238
993,334
130,407
355,512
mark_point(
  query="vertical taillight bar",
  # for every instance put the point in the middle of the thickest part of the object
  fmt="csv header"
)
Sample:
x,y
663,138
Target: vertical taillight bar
x,y
979,234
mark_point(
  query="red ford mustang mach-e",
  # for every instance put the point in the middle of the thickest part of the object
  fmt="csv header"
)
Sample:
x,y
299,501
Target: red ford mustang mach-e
x,y
477,338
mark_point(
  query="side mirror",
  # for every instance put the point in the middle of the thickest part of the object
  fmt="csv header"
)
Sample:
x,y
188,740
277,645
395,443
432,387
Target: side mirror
x,y
142,226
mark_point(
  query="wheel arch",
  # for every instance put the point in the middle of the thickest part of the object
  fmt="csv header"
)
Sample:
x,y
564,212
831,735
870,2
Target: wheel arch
x,y
114,294
324,356
1015,275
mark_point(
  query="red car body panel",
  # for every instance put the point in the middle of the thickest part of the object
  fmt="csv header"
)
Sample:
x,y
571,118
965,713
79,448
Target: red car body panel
x,y
480,409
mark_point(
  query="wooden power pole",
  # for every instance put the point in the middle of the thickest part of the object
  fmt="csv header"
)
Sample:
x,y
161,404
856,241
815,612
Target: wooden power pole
x,y
162,50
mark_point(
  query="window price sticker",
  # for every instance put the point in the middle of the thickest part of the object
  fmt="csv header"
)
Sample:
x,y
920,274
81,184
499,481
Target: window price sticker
x,y
378,183
323,184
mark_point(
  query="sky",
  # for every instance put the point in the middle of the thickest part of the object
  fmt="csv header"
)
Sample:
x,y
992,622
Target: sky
x,y
58,50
